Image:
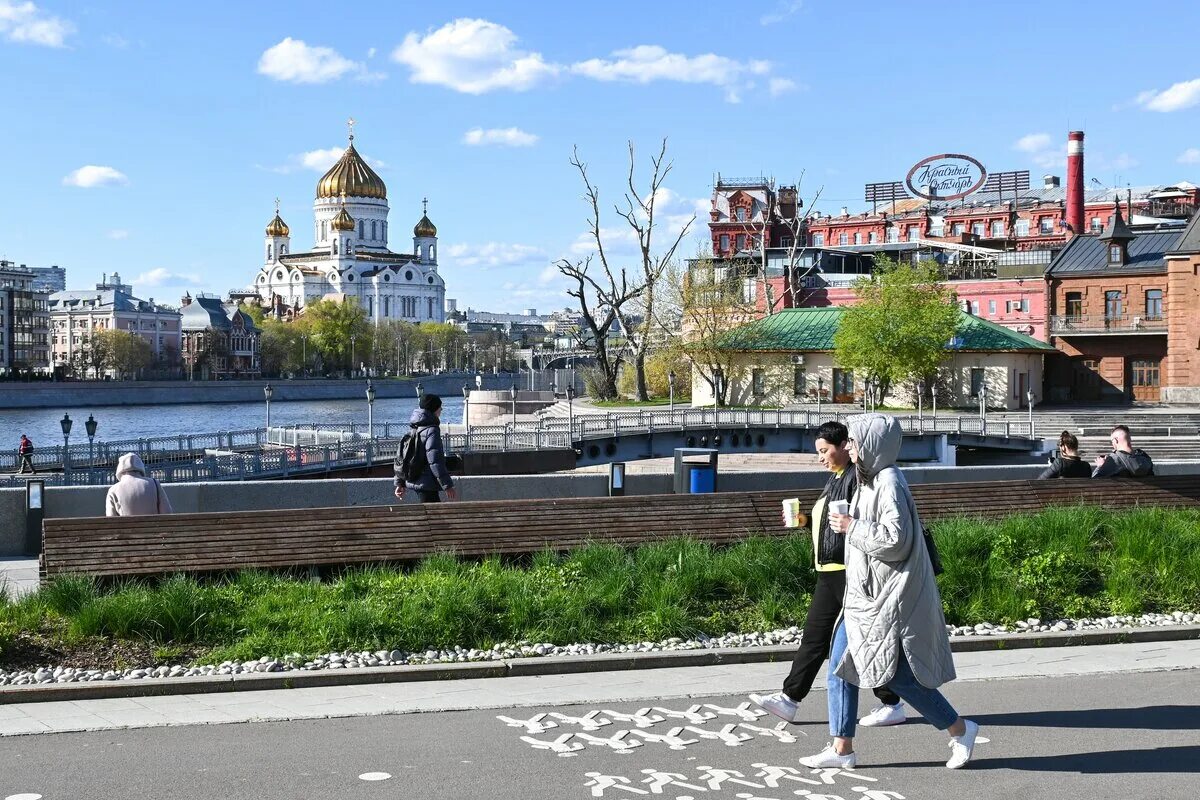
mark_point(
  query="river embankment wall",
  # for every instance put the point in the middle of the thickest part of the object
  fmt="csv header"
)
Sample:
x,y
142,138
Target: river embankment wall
x,y
88,501
74,394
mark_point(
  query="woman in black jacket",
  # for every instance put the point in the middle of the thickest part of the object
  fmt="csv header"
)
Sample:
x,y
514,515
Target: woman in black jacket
x,y
1067,464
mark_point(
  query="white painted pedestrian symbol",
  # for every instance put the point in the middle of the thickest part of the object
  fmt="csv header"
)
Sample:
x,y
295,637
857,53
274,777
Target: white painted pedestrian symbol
x,y
589,721
877,794
743,711
827,774
671,738
715,777
748,796
693,715
726,734
617,741
559,745
811,796
778,732
640,718
533,725
771,776
599,783
27,796
658,780
374,776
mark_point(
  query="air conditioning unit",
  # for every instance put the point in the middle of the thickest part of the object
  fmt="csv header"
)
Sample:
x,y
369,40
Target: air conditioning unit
x,y
798,361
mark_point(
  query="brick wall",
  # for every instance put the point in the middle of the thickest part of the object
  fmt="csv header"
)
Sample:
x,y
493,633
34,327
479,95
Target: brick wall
x,y
1182,367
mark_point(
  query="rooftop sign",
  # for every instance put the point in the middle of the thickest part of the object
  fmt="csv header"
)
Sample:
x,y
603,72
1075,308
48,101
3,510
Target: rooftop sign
x,y
949,176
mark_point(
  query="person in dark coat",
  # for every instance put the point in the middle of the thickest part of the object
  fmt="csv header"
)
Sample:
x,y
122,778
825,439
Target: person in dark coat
x,y
435,478
825,606
1067,464
1125,461
25,451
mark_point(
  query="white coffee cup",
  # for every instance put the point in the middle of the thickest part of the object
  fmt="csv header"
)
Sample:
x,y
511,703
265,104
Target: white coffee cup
x,y
839,507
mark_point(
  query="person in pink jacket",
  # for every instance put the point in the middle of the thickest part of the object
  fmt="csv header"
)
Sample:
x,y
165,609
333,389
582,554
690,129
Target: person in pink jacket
x,y
134,494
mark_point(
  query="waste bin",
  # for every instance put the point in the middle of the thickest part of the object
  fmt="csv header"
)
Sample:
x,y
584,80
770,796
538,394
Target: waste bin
x,y
695,470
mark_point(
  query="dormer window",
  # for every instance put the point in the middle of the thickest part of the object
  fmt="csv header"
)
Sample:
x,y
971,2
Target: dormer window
x,y
1116,254
741,214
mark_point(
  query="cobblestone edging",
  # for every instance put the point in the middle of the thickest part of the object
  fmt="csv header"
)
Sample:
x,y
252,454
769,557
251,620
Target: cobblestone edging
x,y
525,658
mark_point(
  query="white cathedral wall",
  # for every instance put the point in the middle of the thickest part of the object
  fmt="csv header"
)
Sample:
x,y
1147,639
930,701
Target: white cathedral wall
x,y
364,209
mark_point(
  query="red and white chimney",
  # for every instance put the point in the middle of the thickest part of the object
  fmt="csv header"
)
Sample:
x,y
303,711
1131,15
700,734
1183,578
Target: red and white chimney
x,y
1075,181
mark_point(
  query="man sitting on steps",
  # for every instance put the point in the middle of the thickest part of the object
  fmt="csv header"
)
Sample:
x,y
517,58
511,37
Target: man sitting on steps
x,y
1124,461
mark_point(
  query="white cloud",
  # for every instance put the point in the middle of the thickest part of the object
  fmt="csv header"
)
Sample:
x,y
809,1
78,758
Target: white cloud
x,y
648,62
91,176
493,254
118,234
28,24
295,61
116,41
549,274
508,137
1033,142
1121,161
1176,97
780,86
321,160
161,276
473,56
1189,156
783,9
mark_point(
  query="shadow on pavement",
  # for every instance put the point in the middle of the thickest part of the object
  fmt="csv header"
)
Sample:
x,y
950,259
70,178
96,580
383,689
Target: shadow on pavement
x,y
1154,718
1161,759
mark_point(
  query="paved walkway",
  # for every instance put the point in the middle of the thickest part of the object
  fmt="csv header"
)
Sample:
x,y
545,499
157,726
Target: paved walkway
x,y
605,687
18,576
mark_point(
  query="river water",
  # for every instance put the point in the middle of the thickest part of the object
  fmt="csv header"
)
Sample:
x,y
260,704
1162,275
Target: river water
x,y
136,422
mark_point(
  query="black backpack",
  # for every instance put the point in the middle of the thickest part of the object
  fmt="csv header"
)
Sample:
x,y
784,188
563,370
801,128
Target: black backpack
x,y
411,459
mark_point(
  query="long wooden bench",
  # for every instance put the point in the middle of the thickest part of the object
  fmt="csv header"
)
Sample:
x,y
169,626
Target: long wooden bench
x,y
215,542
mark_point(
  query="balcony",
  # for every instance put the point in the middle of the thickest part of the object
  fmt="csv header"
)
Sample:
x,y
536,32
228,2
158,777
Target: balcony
x,y
1095,324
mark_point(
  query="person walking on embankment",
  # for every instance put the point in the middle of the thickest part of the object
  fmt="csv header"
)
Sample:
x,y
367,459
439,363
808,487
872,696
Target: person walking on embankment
x,y
424,470
1067,464
825,606
25,451
135,494
892,632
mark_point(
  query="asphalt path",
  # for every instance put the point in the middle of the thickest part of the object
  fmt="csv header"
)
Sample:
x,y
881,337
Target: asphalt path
x,y
1123,736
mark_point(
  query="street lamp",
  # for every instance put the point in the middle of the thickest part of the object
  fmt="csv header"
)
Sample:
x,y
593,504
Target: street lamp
x,y
66,431
467,413
671,388
304,355
90,427
353,336
571,412
513,393
820,391
1029,402
420,391
370,410
933,396
268,393
921,406
983,406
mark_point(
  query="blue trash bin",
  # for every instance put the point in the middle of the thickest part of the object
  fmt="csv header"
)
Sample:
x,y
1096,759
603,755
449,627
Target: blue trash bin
x,y
702,479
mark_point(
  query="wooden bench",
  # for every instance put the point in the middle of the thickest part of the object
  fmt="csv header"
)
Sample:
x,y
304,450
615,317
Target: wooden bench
x,y
216,542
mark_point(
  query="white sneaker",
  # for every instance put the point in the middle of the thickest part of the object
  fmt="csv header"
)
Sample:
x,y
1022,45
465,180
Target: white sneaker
x,y
829,758
882,716
778,704
961,746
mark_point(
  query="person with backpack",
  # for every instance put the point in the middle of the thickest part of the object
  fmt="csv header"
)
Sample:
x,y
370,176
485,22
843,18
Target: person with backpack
x,y
25,451
1067,463
421,460
1125,461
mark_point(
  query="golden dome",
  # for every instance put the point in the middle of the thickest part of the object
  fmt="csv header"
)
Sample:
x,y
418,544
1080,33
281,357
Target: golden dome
x,y
425,227
343,221
277,227
352,177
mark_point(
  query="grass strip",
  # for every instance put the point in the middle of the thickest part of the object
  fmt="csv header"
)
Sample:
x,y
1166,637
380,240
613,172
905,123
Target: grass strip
x,y
1077,561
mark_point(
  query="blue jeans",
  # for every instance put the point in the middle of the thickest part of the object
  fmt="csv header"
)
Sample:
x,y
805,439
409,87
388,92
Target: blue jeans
x,y
843,696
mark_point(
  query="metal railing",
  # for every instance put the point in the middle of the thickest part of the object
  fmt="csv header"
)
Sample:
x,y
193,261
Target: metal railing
x,y
297,449
1066,325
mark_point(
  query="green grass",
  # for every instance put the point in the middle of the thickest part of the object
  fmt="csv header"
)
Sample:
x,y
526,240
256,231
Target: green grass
x,y
654,401
1060,562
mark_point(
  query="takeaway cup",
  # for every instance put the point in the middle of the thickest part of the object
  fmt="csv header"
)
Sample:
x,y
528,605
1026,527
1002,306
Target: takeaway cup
x,y
791,513
839,507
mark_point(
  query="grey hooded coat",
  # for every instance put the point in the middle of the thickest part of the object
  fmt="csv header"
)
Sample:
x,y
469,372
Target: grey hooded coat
x,y
134,494
892,607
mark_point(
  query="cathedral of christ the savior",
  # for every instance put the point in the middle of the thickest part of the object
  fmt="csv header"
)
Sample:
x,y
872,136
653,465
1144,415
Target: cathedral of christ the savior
x,y
350,256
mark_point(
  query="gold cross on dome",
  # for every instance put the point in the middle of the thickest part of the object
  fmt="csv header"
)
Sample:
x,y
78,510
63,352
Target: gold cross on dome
x,y
350,124
276,206
424,205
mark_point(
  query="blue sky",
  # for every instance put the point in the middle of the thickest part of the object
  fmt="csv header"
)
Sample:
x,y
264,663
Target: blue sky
x,y
152,139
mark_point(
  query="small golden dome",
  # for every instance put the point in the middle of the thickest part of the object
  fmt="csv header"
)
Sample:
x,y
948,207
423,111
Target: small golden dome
x,y
278,227
343,221
425,227
352,177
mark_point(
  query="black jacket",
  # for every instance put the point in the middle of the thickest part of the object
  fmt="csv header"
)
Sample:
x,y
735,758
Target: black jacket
x,y
435,477
1066,467
831,548
1119,464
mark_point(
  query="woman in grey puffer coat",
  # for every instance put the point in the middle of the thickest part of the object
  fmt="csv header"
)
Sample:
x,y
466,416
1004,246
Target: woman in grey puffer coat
x,y
892,632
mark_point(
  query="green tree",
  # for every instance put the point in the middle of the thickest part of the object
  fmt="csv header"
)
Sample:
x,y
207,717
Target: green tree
x,y
126,353
280,348
900,326
342,332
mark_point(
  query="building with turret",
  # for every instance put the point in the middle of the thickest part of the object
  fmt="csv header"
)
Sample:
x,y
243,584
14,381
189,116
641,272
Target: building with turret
x,y
350,256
